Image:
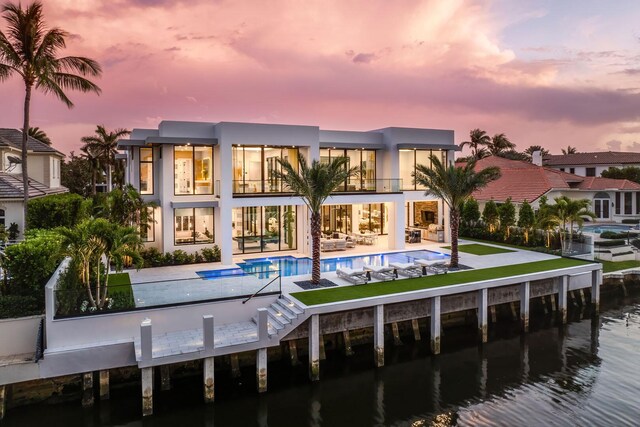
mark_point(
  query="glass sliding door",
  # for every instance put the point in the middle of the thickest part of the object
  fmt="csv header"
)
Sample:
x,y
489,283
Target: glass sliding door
x,y
193,226
337,219
192,170
255,169
264,229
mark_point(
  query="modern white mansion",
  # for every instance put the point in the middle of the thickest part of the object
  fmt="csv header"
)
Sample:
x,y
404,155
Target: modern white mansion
x,y
214,183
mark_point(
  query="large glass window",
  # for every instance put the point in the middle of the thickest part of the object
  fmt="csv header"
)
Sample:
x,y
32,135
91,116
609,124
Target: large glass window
x,y
193,170
146,170
147,226
264,229
374,218
337,218
255,168
193,226
628,203
364,160
410,158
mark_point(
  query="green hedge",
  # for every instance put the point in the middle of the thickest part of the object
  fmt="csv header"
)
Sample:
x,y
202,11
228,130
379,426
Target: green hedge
x,y
610,243
613,235
19,306
631,221
58,210
154,258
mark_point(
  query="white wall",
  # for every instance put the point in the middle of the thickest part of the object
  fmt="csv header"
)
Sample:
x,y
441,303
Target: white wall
x,y
18,336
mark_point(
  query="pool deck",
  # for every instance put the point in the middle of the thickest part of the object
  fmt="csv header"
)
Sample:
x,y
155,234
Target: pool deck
x,y
181,284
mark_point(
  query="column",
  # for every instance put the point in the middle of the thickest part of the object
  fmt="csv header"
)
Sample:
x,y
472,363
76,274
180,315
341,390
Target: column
x,y
348,351
261,369
147,391
224,231
596,279
87,389
3,400
208,378
208,338
435,325
563,295
525,294
483,305
104,385
378,335
416,329
396,224
314,347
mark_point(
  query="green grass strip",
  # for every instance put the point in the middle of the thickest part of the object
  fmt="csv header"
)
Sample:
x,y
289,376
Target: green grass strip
x,y
611,266
478,249
344,293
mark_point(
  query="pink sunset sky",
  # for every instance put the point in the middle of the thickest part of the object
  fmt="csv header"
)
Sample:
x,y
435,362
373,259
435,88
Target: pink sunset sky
x,y
547,72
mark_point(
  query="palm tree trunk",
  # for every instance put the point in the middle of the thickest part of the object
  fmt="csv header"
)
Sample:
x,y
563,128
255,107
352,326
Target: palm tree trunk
x,y
315,247
93,179
25,137
109,179
454,216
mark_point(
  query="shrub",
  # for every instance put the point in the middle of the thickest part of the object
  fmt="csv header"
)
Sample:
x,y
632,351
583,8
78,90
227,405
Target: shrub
x,y
57,210
180,257
490,215
631,221
636,243
19,306
612,235
507,215
622,253
610,243
69,291
211,254
470,212
154,258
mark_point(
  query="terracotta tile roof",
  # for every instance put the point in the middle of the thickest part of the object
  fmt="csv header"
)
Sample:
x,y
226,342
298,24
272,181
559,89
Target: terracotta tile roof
x,y
525,181
11,187
595,158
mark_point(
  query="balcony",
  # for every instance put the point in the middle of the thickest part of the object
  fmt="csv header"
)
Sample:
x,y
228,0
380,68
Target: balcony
x,y
260,188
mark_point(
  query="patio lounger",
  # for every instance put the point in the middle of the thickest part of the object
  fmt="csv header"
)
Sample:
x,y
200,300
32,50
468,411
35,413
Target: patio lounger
x,y
327,245
406,269
357,277
380,272
340,244
431,265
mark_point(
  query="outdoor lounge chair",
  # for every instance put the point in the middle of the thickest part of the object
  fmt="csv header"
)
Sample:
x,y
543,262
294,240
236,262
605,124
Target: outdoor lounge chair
x,y
327,245
340,244
406,269
357,277
380,272
431,266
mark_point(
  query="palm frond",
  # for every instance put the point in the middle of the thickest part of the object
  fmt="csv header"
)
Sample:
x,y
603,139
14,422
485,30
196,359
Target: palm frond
x,y
74,82
81,65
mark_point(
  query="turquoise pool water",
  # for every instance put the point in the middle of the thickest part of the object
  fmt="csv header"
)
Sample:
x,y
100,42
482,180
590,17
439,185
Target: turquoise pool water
x,y
292,266
600,228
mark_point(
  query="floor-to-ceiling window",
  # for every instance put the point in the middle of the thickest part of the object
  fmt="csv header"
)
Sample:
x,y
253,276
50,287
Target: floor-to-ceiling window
x,y
193,226
425,213
146,170
409,158
374,218
255,168
337,218
601,202
364,160
264,229
193,170
147,225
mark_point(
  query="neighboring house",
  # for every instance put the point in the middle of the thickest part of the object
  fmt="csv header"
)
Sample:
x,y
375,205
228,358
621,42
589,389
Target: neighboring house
x,y
214,183
591,164
612,200
44,174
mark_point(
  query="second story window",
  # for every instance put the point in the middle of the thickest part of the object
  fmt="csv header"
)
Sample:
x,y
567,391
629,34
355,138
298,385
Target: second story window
x,y
255,168
409,158
193,170
365,160
146,170
591,172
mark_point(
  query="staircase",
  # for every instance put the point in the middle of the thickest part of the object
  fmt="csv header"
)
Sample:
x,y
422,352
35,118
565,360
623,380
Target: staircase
x,y
284,316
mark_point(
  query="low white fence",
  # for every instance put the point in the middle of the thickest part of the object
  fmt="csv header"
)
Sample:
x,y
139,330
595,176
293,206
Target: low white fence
x,y
19,336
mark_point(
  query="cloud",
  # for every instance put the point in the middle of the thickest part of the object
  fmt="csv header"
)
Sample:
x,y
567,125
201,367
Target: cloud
x,y
364,58
614,145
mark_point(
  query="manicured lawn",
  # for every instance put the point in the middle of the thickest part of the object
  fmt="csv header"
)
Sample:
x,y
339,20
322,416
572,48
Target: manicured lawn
x,y
120,290
343,293
478,249
611,266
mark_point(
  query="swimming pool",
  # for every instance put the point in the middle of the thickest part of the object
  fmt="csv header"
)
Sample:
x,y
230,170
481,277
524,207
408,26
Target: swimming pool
x,y
600,228
292,266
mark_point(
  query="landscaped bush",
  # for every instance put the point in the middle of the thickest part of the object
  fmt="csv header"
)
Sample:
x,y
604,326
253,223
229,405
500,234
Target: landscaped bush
x,y
631,221
19,306
610,243
613,235
636,243
58,210
154,258
622,253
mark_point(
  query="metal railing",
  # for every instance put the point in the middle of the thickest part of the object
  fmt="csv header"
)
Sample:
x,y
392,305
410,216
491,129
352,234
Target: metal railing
x,y
278,278
353,186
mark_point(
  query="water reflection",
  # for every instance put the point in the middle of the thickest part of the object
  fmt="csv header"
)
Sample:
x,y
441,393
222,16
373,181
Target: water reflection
x,y
584,373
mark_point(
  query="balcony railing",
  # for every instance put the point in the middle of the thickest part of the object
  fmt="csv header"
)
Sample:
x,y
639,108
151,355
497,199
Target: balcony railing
x,y
353,186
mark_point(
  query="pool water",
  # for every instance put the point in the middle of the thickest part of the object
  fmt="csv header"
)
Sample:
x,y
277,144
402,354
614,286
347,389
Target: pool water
x,y
600,228
292,266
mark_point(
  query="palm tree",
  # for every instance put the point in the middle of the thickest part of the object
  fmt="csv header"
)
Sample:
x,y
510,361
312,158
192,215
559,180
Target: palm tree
x,y
454,185
533,148
314,184
567,213
94,167
500,143
30,50
478,139
40,135
569,150
103,146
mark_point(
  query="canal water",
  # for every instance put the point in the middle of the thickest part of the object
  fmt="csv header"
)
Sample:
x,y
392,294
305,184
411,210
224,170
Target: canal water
x,y
585,374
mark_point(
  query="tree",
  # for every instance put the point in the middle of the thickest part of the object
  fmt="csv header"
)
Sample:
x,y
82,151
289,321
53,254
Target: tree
x,y
507,214
632,173
454,185
103,147
526,219
514,155
477,140
30,50
567,213
545,220
40,135
76,175
569,150
125,206
314,184
93,163
500,143
471,212
533,148
490,215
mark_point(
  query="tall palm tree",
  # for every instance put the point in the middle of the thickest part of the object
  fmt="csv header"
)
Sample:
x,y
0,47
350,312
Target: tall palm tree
x,y
477,139
454,185
30,50
533,148
569,150
314,184
567,213
40,135
94,166
103,146
500,143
